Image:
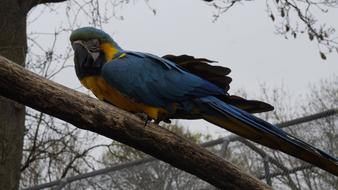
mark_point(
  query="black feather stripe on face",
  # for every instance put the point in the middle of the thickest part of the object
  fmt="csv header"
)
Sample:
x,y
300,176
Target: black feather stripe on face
x,y
85,64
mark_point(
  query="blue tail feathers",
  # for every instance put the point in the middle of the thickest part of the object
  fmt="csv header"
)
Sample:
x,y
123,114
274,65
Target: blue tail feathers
x,y
261,125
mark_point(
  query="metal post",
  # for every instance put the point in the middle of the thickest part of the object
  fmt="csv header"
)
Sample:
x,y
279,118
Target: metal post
x,y
267,170
224,148
63,182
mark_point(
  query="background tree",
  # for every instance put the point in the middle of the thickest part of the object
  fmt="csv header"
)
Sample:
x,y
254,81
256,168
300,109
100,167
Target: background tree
x,y
294,17
13,45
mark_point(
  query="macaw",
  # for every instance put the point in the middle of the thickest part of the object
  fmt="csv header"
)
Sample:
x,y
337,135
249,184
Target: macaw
x,y
179,87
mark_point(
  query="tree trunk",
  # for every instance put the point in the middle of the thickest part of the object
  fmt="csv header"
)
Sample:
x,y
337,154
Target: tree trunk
x,y
90,114
12,115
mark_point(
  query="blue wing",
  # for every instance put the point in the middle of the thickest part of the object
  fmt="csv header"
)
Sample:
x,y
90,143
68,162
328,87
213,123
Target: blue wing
x,y
155,81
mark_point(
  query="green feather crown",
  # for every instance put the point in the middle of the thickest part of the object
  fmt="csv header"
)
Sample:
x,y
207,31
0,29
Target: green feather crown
x,y
88,33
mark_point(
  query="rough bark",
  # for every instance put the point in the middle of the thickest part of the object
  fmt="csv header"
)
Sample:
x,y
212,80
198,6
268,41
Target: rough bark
x,y
12,115
90,114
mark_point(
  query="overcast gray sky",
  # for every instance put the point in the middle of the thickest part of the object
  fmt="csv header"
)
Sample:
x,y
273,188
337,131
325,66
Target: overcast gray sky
x,y
243,39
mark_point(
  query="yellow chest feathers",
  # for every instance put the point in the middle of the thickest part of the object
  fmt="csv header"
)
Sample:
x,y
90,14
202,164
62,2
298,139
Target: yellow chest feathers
x,y
103,91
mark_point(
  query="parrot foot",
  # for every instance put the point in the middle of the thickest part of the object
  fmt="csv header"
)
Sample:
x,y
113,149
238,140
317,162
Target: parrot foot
x,y
157,121
144,117
147,119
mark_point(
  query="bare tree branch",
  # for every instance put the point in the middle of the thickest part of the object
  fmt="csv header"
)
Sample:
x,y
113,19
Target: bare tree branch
x,y
90,114
32,3
295,17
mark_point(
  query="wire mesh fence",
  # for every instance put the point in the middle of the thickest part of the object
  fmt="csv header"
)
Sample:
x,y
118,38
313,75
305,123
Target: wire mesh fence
x,y
277,169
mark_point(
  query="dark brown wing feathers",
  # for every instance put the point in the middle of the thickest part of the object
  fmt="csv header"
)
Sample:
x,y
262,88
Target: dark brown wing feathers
x,y
200,67
218,76
251,106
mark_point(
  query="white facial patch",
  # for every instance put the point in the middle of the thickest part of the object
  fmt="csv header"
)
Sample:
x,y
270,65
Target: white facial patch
x,y
92,46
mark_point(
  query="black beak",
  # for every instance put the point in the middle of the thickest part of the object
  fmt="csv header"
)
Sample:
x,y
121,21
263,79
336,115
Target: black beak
x,y
82,58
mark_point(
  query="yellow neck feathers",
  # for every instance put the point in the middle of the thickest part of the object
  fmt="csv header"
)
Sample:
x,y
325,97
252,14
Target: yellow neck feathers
x,y
109,51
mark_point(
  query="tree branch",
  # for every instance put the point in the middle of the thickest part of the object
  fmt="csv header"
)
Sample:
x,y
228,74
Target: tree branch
x,y
90,114
32,3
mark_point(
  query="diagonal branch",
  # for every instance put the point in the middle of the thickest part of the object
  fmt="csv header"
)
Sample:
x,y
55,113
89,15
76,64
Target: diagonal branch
x,y
90,114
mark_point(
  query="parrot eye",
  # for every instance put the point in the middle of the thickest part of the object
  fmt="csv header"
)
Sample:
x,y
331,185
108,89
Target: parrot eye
x,y
93,45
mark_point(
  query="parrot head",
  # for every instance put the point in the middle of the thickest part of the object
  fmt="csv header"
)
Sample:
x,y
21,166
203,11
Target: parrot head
x,y
92,49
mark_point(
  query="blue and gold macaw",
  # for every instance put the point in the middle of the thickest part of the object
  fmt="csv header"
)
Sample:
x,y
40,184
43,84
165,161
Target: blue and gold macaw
x,y
178,87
